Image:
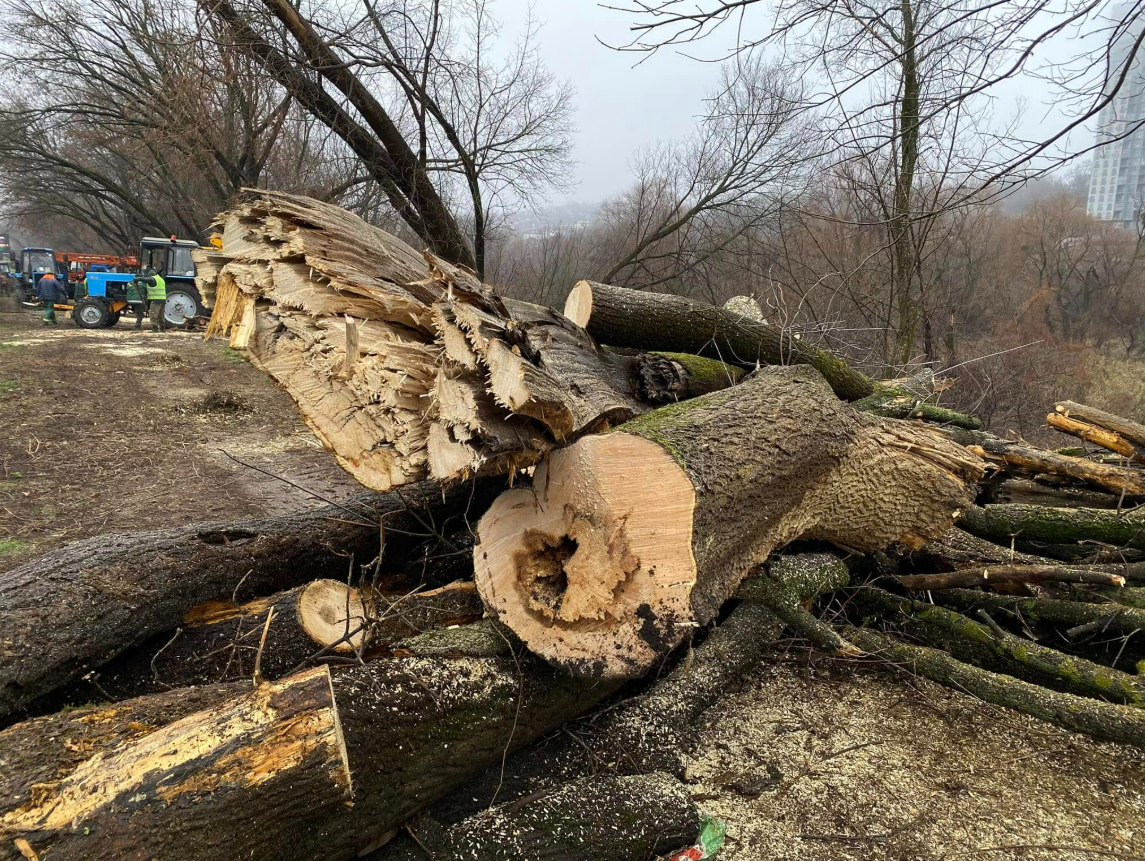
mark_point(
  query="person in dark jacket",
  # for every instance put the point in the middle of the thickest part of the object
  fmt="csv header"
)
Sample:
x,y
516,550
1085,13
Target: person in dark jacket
x,y
48,291
155,287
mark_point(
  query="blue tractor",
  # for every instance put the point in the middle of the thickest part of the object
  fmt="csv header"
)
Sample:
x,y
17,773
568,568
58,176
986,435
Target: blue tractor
x,y
32,264
171,258
105,301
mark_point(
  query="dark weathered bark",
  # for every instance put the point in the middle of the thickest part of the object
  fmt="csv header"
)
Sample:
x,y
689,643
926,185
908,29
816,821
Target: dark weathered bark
x,y
1112,479
77,607
1002,523
1105,721
998,575
999,650
664,378
621,317
603,818
629,539
1115,618
220,642
959,549
1060,495
342,758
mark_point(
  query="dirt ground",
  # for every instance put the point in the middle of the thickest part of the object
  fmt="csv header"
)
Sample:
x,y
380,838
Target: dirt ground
x,y
113,430
831,761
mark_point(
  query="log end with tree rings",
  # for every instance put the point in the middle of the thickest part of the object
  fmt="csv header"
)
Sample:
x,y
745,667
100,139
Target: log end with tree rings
x,y
332,614
593,567
578,304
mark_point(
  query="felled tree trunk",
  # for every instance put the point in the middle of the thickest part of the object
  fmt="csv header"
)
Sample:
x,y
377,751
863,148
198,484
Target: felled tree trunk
x,y
628,540
220,642
341,758
664,378
76,608
605,818
620,317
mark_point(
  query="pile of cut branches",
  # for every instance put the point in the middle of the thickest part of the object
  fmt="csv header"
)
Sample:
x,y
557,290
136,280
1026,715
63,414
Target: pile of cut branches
x,y
570,501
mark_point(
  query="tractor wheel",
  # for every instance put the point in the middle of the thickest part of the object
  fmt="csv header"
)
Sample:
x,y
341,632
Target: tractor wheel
x,y
112,318
181,308
90,313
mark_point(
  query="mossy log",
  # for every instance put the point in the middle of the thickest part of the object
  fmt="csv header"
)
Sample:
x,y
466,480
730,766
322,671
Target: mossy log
x,y
1112,479
1003,523
79,606
621,317
341,755
664,378
1101,720
604,818
959,549
787,583
997,649
628,540
895,403
1115,618
1007,575
220,642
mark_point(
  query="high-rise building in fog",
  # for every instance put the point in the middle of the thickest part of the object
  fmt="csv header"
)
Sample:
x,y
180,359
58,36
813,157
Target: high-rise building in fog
x,y
1117,184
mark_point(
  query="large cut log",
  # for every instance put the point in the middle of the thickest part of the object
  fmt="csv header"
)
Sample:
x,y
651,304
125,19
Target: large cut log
x,y
628,540
221,642
605,818
77,607
341,757
620,317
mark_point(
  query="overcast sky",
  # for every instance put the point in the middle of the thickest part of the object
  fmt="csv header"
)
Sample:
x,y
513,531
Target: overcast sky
x,y
622,106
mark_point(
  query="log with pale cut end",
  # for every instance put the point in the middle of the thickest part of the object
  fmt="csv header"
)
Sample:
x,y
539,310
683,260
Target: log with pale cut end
x,y
79,606
1132,432
340,757
620,317
628,540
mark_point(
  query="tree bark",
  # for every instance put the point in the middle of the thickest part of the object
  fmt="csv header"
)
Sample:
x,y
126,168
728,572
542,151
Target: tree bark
x,y
893,403
664,378
219,641
341,756
1111,479
605,818
621,317
1097,435
1130,431
1115,618
77,607
1111,575
627,540
1002,523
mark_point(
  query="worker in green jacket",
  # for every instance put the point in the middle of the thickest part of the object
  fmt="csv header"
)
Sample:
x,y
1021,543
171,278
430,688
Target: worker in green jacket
x,y
156,287
137,302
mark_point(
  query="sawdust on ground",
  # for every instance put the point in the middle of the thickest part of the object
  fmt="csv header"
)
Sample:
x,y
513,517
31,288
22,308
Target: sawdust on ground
x,y
837,761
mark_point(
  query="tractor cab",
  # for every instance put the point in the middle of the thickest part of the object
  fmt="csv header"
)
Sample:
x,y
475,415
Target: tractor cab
x,y
171,258
33,264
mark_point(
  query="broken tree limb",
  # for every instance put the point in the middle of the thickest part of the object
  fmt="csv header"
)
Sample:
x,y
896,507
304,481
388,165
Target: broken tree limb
x,y
788,582
77,607
1121,620
1112,479
991,575
1107,721
621,317
997,649
605,817
1097,435
1003,523
960,549
218,641
628,540
1131,431
344,755
664,378
895,403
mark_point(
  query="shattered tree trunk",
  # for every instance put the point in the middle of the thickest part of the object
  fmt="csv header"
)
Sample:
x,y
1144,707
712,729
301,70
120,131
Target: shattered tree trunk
x,y
627,540
620,317
220,642
76,608
341,757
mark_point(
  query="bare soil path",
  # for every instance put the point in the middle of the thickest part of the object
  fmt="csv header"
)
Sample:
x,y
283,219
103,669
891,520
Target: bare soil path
x,y
112,430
